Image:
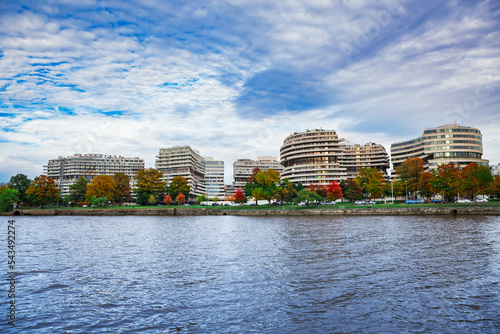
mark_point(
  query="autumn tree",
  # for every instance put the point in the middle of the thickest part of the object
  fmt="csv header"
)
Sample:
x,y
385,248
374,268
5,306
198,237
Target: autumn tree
x,y
239,196
476,179
446,180
181,198
334,192
78,190
21,183
410,171
285,192
372,182
167,200
267,181
353,190
122,190
148,182
43,191
101,186
251,183
319,189
7,198
179,185
425,185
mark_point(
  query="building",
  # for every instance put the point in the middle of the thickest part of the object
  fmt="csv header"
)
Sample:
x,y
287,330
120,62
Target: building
x,y
214,178
186,162
461,145
313,157
243,168
66,171
370,155
495,169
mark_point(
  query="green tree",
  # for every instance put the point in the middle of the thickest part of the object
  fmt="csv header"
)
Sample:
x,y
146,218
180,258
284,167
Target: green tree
x,y
476,179
410,171
7,198
372,182
285,192
152,199
43,191
99,202
268,181
78,190
201,198
101,186
353,190
122,187
179,185
307,196
21,183
148,182
446,180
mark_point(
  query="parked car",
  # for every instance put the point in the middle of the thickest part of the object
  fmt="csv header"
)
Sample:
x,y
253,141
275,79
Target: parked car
x,y
463,200
215,204
437,201
204,204
370,202
84,206
329,203
482,200
186,204
419,201
359,202
410,201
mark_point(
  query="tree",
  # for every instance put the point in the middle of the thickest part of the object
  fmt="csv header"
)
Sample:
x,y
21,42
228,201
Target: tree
x,y
353,190
21,183
267,181
152,199
319,189
99,202
148,182
257,194
307,196
251,183
122,190
101,186
181,199
425,187
476,179
179,185
43,191
410,171
7,198
446,180
201,198
78,190
167,200
239,197
496,186
372,182
285,191
334,192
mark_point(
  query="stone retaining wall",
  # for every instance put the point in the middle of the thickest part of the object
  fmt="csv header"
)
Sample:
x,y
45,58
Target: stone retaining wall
x,y
463,210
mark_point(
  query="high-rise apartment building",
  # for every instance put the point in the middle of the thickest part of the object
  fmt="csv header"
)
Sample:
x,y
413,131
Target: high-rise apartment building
x,y
186,162
214,178
320,156
495,169
66,171
461,145
243,168
370,155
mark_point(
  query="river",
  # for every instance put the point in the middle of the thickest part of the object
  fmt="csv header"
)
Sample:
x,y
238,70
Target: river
x,y
230,274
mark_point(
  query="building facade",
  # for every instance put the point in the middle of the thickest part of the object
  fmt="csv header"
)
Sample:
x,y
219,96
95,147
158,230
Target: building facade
x,y
66,171
214,178
370,155
461,145
495,169
186,162
313,157
243,168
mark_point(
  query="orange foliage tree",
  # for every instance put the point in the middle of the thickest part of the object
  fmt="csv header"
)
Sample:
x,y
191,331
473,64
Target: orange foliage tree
x,y
239,197
43,191
101,186
167,200
334,192
181,199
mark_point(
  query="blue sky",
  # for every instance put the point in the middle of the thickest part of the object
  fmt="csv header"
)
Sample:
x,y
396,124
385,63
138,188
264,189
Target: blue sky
x,y
232,79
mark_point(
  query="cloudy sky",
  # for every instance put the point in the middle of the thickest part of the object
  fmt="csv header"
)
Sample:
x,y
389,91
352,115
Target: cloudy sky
x,y
232,79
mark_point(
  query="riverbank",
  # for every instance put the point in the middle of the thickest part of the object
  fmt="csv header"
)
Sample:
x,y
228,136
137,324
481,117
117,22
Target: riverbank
x,y
337,211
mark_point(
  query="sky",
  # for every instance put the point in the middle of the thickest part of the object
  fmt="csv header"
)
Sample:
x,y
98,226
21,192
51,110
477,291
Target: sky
x,y
232,79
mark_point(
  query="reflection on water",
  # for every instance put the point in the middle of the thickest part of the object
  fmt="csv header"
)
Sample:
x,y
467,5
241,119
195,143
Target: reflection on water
x,y
246,274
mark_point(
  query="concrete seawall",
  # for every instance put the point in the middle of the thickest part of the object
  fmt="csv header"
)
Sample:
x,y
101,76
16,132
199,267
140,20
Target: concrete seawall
x,y
362,211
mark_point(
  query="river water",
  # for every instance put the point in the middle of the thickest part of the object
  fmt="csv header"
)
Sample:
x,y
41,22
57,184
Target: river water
x,y
255,275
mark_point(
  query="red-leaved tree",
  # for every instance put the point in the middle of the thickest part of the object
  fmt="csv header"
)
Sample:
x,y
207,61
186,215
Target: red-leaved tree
x,y
334,192
239,197
181,199
167,200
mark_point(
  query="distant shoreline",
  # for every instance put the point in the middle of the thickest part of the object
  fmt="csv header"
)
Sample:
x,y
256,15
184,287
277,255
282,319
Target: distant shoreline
x,y
362,211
